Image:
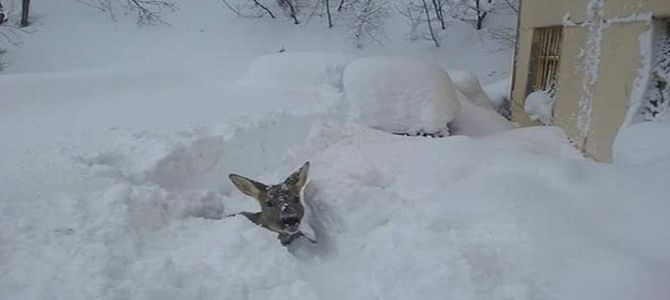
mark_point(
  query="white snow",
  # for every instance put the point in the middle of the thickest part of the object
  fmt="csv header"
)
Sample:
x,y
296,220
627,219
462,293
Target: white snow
x,y
467,83
298,69
499,93
539,105
643,143
116,143
399,95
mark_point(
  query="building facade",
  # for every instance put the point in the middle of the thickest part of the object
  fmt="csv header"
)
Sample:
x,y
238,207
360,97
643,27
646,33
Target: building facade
x,y
601,60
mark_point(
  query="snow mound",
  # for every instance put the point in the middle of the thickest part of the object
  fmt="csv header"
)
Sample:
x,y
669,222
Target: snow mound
x,y
539,106
399,95
645,142
299,68
473,120
499,93
467,83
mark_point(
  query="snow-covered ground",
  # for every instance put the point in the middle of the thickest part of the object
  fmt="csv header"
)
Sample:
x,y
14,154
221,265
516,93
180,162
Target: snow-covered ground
x,y
117,143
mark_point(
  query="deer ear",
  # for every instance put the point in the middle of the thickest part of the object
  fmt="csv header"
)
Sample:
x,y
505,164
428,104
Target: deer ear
x,y
247,186
299,178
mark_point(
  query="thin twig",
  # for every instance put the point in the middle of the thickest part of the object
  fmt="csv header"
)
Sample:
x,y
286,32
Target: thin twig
x,y
514,8
237,12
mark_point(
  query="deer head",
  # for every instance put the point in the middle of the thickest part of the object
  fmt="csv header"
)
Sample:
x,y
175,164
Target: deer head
x,y
281,204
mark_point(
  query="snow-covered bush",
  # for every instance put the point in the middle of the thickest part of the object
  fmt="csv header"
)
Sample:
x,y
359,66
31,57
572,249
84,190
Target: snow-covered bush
x,y
299,68
539,105
400,96
645,142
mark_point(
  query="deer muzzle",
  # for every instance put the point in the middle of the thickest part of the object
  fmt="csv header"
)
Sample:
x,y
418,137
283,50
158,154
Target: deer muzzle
x,y
290,224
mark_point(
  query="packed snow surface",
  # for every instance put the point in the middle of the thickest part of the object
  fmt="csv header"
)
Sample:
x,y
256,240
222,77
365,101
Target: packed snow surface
x,y
400,95
117,143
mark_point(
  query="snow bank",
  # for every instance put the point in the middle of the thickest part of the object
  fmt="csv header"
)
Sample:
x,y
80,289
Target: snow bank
x,y
400,95
499,93
467,83
432,219
539,106
298,68
645,142
113,184
474,120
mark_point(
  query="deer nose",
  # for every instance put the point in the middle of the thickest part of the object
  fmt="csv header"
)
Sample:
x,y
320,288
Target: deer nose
x,y
290,221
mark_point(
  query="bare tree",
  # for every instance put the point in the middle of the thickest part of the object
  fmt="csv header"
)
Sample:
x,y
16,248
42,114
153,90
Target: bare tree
x,y
148,12
481,13
263,7
341,6
364,18
250,9
430,25
244,10
10,35
3,16
439,13
368,22
474,11
421,19
330,18
25,11
290,6
514,7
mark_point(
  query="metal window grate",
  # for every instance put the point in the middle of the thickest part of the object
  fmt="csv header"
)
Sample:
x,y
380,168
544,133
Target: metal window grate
x,y
546,54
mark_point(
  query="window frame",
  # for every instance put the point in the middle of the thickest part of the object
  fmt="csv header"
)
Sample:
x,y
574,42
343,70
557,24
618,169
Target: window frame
x,y
545,59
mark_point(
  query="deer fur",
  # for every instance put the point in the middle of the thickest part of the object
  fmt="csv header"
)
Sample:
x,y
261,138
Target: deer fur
x,y
281,204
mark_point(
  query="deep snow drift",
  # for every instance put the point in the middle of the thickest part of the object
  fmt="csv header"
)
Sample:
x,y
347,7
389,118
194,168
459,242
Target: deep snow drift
x,y
398,95
114,177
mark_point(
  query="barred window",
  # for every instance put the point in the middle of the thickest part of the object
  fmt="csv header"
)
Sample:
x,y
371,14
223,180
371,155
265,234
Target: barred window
x,y
545,58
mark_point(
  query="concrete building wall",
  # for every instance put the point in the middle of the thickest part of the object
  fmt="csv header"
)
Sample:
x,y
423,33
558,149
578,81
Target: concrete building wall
x,y
620,60
571,77
661,8
543,13
619,65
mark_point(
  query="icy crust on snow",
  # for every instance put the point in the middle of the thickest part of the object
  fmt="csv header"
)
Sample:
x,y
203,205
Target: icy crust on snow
x,y
400,95
298,68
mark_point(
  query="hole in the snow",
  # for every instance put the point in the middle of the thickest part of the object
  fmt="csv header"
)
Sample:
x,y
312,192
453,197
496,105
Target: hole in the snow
x,y
422,133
